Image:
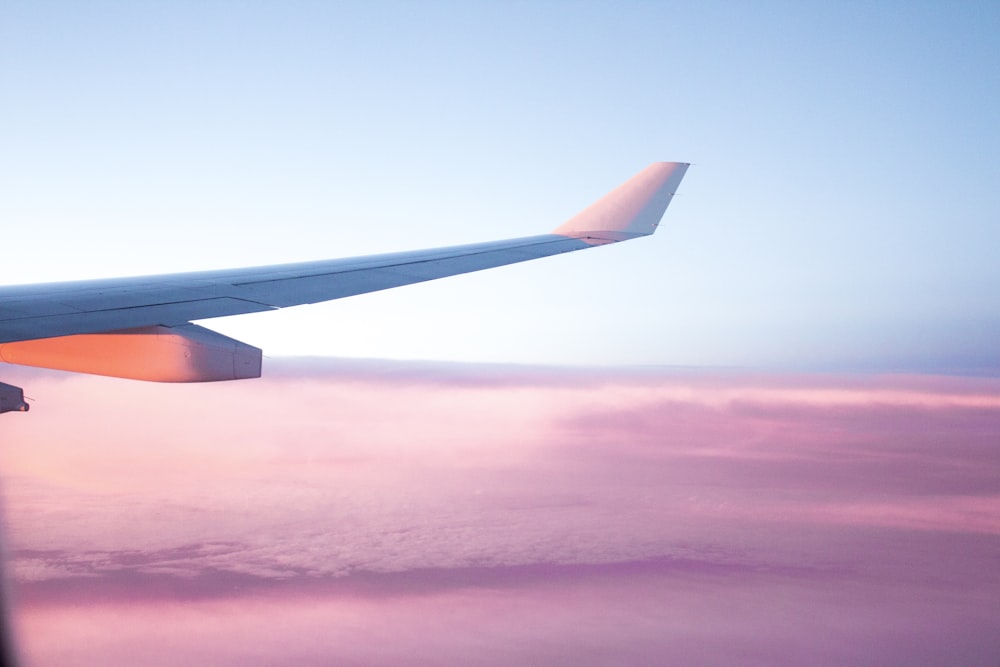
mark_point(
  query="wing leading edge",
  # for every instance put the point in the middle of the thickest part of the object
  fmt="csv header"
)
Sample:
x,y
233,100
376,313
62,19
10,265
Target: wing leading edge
x,y
74,326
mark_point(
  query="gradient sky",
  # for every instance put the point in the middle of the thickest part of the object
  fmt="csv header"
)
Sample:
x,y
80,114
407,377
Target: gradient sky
x,y
814,481
841,213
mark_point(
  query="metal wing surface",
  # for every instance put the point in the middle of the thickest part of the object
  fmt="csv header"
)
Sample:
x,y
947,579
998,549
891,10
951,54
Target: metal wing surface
x,y
69,325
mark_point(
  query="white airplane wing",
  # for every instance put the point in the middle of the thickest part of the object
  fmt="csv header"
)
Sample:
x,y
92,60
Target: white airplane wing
x,y
141,327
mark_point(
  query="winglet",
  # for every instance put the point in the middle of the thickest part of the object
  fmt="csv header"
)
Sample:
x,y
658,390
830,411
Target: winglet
x,y
632,209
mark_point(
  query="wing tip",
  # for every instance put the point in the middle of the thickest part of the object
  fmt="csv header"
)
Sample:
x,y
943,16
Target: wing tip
x,y
632,209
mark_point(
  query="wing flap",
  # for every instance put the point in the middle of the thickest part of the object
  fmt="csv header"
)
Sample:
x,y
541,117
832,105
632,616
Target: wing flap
x,y
300,290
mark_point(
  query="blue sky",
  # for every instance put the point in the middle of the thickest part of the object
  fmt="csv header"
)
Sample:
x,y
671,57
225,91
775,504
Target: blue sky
x,y
841,214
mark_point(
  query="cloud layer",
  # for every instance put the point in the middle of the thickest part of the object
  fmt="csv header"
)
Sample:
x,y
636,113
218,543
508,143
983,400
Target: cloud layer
x,y
436,513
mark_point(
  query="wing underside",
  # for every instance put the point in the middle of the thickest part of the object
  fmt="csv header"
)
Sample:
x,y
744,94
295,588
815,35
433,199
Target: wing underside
x,y
52,324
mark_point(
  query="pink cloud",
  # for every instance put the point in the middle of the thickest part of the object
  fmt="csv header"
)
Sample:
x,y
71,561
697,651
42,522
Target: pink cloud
x,y
454,513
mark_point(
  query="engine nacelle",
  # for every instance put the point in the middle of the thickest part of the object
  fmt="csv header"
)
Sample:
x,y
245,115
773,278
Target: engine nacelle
x,y
188,353
12,399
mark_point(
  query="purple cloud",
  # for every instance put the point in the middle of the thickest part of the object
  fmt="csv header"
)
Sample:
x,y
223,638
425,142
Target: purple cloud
x,y
432,513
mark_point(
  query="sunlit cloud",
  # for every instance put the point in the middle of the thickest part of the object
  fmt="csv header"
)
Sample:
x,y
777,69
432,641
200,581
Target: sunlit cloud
x,y
356,494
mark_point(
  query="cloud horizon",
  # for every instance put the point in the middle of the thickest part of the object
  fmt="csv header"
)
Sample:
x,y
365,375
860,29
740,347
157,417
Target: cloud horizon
x,y
550,515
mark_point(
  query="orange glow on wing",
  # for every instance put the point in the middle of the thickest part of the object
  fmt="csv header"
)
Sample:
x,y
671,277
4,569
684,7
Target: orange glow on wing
x,y
158,354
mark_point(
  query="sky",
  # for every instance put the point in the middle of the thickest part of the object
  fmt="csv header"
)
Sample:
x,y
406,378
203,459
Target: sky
x,y
767,434
840,213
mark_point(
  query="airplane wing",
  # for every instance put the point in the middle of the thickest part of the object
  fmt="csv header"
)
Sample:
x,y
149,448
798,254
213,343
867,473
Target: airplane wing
x,y
141,327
